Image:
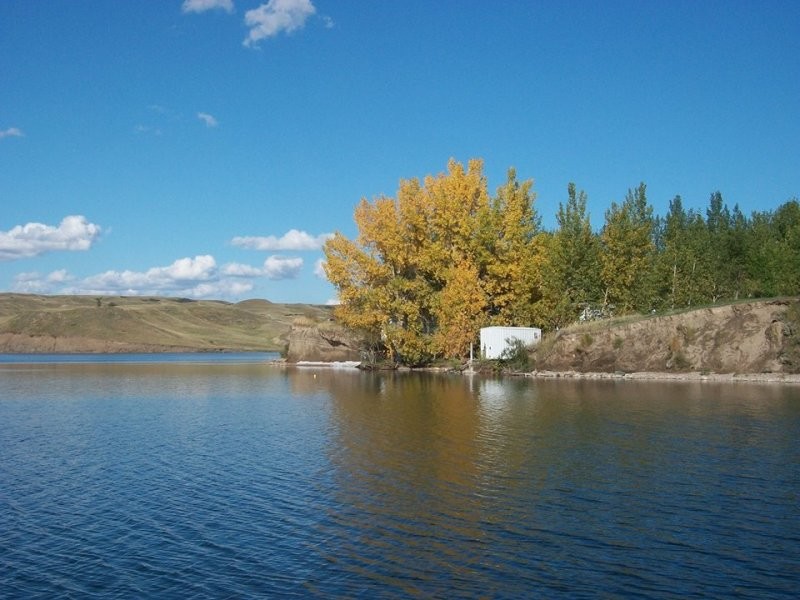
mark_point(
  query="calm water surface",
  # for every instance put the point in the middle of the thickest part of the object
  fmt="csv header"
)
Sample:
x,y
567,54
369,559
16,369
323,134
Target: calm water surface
x,y
224,478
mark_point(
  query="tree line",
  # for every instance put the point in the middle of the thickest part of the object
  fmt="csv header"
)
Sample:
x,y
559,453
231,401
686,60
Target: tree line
x,y
444,258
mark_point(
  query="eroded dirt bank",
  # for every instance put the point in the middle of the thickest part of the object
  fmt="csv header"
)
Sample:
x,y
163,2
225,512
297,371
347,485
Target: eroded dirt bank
x,y
321,342
754,337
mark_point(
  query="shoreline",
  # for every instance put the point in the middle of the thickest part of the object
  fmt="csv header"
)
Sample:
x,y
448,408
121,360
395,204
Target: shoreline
x,y
789,378
690,376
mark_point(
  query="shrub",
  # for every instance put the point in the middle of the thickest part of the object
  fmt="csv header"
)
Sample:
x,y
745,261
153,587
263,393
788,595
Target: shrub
x,y
303,321
515,357
688,332
680,362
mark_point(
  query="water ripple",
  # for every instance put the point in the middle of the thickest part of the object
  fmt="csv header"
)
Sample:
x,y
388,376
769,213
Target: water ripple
x,y
245,481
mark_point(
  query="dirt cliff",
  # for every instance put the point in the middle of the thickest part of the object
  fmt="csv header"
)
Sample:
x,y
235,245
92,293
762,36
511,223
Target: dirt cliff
x,y
321,342
752,337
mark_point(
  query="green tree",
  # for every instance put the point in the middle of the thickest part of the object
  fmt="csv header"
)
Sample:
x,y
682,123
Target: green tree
x,y
572,271
673,254
628,252
788,223
773,251
763,256
682,268
718,264
737,252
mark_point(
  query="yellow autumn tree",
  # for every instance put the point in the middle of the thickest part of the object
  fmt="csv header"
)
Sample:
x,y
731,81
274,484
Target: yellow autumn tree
x,y
460,310
512,254
432,266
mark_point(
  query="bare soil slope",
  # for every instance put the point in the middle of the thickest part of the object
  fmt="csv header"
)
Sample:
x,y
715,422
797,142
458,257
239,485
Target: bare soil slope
x,y
751,337
30,323
322,342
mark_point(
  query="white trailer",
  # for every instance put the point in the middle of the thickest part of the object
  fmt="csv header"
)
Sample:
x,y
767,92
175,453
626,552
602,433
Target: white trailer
x,y
495,340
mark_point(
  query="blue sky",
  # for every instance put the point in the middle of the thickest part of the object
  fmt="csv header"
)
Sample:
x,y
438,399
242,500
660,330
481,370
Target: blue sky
x,y
206,148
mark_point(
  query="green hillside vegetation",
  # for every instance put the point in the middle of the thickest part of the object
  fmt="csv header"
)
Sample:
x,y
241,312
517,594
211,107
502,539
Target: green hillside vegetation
x,y
155,322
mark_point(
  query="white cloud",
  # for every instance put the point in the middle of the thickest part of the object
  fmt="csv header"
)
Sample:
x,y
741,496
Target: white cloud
x,y
26,241
333,302
60,276
208,119
11,132
35,283
199,6
275,267
182,275
319,269
198,277
292,240
240,270
30,283
147,130
281,267
189,269
225,288
275,16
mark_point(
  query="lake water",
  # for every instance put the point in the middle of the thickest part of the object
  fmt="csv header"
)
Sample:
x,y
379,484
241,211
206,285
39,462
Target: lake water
x,y
215,477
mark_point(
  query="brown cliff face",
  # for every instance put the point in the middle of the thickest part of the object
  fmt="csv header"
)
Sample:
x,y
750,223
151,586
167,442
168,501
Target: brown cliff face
x,y
321,342
754,337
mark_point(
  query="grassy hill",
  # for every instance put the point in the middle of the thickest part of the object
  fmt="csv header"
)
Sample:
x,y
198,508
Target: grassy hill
x,y
30,323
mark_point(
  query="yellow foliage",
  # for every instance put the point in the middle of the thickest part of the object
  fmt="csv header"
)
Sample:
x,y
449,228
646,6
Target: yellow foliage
x,y
432,266
459,311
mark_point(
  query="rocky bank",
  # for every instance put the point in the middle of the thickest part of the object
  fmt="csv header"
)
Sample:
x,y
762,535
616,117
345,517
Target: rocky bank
x,y
321,342
752,337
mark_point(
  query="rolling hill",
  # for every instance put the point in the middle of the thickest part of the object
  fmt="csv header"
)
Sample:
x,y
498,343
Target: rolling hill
x,y
32,323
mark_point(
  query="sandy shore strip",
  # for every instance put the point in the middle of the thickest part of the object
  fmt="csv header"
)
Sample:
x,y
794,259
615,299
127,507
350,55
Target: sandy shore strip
x,y
343,364
659,376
